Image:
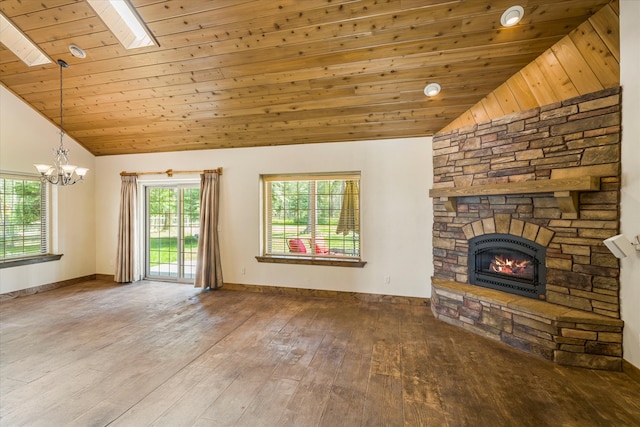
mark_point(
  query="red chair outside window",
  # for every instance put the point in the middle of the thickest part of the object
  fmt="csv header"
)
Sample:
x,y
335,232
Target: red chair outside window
x,y
321,246
297,246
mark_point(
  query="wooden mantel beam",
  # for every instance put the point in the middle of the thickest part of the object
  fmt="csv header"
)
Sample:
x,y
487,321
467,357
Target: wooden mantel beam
x,y
564,189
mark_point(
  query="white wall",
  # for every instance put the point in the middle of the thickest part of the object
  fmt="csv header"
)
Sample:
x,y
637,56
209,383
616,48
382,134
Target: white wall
x,y
630,193
396,210
27,138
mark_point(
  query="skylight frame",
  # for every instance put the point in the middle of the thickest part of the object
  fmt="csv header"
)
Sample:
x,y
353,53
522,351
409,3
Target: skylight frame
x,y
124,22
21,45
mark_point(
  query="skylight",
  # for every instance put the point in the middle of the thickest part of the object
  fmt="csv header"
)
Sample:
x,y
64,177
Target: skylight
x,y
18,43
124,22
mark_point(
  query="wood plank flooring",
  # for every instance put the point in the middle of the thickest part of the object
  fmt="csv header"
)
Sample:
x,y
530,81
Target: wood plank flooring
x,y
162,354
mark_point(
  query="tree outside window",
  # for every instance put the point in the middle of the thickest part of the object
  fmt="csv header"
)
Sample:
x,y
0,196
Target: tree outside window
x,y
23,217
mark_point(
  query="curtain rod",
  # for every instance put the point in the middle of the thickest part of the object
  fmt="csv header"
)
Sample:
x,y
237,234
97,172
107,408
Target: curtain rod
x,y
171,172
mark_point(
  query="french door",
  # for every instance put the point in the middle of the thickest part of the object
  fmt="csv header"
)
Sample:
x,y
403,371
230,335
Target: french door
x,y
172,223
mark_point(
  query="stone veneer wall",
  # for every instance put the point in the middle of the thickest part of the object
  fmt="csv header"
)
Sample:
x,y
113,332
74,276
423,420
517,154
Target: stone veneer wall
x,y
559,334
538,144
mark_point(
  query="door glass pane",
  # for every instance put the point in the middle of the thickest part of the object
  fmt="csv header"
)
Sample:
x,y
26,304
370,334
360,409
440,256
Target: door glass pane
x,y
162,219
190,213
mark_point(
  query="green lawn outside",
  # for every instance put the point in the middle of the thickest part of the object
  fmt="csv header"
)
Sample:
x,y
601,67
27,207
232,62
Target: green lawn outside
x,y
20,248
164,250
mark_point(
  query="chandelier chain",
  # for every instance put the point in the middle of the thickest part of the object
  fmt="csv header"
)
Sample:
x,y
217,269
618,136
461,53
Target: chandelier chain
x,y
61,125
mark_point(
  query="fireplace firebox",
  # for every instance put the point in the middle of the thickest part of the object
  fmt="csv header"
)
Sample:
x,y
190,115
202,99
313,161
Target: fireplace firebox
x,y
508,263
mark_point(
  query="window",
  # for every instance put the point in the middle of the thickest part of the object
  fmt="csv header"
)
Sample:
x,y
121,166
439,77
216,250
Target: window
x,y
312,216
23,217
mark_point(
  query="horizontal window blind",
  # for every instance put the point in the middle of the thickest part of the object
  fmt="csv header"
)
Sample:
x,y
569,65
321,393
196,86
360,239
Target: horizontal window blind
x,y
312,215
23,216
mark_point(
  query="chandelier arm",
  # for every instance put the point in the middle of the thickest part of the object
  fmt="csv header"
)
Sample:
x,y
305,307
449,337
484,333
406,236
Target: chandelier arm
x,y
61,179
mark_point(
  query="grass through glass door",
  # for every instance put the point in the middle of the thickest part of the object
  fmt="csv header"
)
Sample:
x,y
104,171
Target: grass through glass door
x,y
190,213
172,224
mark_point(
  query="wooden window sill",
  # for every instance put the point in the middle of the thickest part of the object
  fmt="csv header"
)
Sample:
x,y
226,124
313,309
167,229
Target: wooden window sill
x,y
30,260
333,262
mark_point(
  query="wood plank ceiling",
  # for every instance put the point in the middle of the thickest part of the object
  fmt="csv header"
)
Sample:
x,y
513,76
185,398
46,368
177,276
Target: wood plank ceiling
x,y
239,73
585,61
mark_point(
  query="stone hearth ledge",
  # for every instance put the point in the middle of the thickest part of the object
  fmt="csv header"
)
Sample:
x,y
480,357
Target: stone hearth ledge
x,y
563,335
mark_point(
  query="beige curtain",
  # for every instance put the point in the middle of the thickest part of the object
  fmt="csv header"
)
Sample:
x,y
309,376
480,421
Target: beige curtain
x,y
209,266
125,258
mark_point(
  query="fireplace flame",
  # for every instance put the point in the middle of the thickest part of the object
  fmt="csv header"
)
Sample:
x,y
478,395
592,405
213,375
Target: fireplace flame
x,y
509,266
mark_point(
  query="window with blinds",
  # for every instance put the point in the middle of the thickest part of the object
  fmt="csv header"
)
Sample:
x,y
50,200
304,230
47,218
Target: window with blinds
x,y
315,216
23,217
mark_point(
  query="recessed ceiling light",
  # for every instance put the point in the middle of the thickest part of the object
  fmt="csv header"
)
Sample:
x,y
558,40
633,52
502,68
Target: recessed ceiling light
x,y
124,22
77,51
512,16
432,89
18,43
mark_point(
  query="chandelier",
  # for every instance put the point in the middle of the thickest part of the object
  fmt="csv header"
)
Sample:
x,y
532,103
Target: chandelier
x,y
61,173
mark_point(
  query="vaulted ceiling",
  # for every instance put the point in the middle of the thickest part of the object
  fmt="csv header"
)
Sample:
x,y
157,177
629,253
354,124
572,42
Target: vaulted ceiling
x,y
240,73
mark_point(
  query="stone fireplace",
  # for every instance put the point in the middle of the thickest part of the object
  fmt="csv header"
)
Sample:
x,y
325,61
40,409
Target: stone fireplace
x,y
521,206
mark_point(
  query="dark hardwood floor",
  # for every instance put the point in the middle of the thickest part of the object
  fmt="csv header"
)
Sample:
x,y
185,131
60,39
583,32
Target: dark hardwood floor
x,y
164,354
